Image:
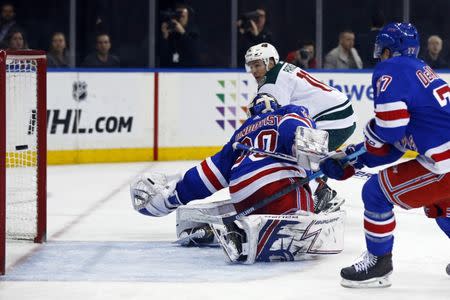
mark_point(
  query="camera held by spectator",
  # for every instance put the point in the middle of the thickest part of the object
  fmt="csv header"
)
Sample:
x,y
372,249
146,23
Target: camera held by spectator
x,y
174,21
170,17
303,57
252,22
246,20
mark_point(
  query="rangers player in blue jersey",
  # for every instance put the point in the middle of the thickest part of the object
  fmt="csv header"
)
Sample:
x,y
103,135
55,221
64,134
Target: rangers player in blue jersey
x,y
412,112
250,177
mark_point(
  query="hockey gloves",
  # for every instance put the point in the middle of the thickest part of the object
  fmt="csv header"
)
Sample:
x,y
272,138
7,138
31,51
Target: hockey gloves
x,y
334,168
438,210
374,144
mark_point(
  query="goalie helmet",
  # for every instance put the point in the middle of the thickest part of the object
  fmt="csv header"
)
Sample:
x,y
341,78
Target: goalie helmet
x,y
264,52
402,39
261,104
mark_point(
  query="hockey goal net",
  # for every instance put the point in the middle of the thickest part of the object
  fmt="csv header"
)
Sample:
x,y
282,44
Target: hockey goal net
x,y
23,148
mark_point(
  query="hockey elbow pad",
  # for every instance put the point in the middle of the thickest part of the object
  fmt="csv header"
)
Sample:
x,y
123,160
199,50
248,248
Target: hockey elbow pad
x,y
374,144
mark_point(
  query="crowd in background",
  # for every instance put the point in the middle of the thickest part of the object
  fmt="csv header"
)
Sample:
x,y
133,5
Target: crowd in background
x,y
180,42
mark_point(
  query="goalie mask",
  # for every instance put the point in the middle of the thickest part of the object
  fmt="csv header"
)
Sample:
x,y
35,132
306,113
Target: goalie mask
x,y
264,52
261,104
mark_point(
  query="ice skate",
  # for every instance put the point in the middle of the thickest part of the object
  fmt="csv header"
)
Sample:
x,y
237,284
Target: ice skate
x,y
369,272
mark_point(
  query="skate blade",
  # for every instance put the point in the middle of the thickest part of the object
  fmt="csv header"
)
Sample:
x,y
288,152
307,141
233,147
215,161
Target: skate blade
x,y
377,282
336,204
195,239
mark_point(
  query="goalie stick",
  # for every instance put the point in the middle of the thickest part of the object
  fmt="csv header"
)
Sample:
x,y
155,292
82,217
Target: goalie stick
x,y
238,146
199,216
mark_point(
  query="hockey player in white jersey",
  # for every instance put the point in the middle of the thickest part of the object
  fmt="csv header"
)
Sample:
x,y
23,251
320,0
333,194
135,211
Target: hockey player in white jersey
x,y
329,108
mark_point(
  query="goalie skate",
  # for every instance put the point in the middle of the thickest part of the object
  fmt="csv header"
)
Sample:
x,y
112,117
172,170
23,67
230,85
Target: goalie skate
x,y
192,229
197,236
326,199
233,240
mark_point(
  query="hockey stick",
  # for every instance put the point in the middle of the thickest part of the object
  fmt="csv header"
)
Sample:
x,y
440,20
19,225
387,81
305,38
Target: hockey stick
x,y
199,216
239,146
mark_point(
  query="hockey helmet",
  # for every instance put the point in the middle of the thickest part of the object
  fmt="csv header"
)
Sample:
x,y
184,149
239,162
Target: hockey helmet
x,y
262,103
402,39
264,52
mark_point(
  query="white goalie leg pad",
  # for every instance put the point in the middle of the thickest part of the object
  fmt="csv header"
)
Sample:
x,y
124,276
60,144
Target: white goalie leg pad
x,y
283,238
188,220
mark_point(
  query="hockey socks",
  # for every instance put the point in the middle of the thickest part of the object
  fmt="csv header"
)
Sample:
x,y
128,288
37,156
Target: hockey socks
x,y
379,229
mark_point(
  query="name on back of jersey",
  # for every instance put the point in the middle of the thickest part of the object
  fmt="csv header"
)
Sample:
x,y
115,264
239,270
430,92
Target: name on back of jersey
x,y
426,76
267,121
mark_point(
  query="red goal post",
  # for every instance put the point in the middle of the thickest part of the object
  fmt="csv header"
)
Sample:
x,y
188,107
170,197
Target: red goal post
x,y
23,147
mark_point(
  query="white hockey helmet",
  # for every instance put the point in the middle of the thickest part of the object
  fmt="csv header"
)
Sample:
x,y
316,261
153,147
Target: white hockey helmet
x,y
264,52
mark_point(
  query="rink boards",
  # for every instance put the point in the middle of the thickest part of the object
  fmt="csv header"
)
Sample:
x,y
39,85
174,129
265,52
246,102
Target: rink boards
x,y
154,114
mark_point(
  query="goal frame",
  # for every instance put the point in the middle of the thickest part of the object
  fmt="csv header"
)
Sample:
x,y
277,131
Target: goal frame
x,y
41,85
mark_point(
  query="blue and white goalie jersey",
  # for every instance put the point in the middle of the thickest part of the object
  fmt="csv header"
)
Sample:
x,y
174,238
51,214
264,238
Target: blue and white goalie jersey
x,y
412,110
245,173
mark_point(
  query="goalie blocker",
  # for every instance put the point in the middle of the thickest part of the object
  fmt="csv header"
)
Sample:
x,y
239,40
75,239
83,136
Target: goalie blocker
x,y
264,238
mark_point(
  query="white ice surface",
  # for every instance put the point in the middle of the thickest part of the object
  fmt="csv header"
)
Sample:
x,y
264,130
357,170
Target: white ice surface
x,y
99,248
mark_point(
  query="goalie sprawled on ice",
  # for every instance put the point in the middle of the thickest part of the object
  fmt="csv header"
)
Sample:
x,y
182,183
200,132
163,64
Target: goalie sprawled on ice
x,y
271,215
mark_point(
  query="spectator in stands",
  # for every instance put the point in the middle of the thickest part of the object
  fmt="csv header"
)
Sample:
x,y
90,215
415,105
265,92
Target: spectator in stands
x,y
344,56
7,22
304,56
16,40
366,41
101,58
253,30
58,55
179,46
433,55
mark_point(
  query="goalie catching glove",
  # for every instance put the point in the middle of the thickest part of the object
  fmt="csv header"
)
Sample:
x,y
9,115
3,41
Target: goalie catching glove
x,y
154,194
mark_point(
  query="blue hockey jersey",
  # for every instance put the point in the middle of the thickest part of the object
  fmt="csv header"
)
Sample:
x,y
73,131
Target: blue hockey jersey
x,y
245,173
412,110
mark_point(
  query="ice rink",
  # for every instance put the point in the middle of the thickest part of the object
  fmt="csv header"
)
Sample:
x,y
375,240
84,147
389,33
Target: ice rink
x,y
100,248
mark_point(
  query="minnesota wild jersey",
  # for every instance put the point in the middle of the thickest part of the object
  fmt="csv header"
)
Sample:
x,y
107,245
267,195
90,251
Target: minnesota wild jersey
x,y
328,107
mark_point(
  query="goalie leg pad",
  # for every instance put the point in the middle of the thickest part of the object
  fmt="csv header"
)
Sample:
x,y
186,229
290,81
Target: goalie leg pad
x,y
267,238
187,223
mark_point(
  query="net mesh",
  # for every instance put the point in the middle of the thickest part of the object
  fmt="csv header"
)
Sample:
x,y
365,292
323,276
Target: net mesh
x,y
21,148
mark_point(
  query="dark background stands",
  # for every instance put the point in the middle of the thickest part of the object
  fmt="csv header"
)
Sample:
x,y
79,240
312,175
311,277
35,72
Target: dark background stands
x,y
289,21
7,22
365,41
